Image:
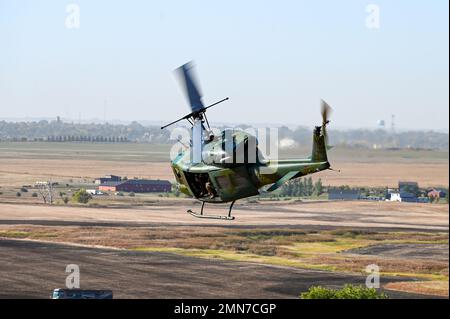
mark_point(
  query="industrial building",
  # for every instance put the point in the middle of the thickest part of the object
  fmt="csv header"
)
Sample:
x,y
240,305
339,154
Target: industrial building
x,y
137,186
344,194
108,178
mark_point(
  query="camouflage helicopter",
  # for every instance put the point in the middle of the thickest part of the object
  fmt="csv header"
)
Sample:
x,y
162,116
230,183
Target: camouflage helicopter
x,y
226,167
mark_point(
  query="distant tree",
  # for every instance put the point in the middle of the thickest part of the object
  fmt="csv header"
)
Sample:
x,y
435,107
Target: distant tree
x,y
82,196
34,195
46,192
295,188
290,188
132,194
300,188
18,194
318,187
309,186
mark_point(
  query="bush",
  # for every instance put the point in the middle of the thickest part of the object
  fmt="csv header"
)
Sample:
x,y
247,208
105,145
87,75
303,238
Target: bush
x,y
18,194
24,190
34,195
119,194
132,194
348,292
65,199
82,196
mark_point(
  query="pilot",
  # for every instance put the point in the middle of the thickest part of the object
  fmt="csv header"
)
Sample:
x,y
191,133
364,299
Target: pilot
x,y
199,184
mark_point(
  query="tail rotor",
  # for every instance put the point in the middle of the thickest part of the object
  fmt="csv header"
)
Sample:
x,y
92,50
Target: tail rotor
x,y
326,111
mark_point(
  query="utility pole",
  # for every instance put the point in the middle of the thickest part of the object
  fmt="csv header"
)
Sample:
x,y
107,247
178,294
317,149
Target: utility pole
x,y
393,123
105,106
50,192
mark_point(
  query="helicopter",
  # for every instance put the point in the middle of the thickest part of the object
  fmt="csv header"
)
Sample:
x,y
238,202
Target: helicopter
x,y
226,167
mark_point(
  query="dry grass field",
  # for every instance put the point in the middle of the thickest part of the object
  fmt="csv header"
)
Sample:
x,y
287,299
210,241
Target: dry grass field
x,y
24,163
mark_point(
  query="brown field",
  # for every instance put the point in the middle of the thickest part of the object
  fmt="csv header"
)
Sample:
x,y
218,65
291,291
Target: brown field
x,y
404,240
17,172
409,241
24,163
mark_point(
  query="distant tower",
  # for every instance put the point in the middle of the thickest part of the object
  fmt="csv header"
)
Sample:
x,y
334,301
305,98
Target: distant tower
x,y
105,106
58,119
393,123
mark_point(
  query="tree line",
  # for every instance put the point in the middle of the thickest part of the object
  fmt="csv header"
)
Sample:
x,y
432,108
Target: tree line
x,y
74,138
302,187
136,132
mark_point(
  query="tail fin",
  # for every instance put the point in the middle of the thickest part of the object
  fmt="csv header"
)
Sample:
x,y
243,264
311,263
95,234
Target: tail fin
x,y
319,149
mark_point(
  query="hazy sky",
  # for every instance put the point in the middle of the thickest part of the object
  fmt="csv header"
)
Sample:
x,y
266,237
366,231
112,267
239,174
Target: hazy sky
x,y
274,59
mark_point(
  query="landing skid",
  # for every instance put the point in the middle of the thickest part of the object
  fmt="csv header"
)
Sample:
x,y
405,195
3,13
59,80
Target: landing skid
x,y
201,215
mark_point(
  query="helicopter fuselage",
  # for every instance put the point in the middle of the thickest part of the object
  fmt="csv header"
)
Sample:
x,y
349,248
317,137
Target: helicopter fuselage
x,y
226,175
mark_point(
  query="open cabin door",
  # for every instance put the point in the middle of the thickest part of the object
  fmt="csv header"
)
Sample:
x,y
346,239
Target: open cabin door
x,y
198,183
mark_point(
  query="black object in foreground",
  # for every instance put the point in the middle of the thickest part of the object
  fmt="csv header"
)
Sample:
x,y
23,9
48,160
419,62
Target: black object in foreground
x,y
81,294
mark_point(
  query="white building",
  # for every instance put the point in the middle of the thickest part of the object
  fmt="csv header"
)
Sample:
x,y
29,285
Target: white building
x,y
395,197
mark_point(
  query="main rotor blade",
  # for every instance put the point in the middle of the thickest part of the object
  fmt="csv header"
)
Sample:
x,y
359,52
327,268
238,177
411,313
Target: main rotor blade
x,y
190,86
192,114
171,123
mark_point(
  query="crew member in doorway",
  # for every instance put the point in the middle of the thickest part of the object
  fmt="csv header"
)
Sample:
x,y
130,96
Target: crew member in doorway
x,y
209,189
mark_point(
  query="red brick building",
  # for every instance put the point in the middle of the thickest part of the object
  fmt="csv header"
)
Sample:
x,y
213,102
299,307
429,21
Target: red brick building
x,y
137,186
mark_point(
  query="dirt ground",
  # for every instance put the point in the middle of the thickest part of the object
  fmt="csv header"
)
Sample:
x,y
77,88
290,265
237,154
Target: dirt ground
x,y
34,269
408,241
332,214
